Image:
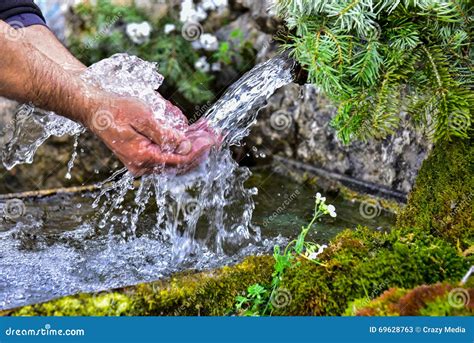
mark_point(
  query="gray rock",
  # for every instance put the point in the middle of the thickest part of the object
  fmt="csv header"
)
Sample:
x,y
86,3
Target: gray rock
x,y
263,12
7,110
296,124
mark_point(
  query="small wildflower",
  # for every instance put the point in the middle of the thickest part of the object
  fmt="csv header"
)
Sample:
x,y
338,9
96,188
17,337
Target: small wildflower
x,y
209,42
213,5
169,28
139,33
191,12
314,255
202,65
319,198
332,211
321,249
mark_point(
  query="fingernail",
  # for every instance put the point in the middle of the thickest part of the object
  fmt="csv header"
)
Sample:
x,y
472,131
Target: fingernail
x,y
184,148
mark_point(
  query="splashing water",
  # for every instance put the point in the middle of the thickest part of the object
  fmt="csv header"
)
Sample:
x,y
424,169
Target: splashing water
x,y
184,203
32,128
70,164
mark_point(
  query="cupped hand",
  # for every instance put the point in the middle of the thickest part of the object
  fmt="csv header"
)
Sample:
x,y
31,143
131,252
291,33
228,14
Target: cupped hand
x,y
128,127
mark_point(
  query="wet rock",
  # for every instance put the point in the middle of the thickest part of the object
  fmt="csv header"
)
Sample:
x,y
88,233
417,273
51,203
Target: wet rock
x,y
296,124
7,110
241,61
48,170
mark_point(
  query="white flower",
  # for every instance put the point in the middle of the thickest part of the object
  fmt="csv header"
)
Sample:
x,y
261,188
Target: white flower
x,y
196,45
139,33
321,249
189,12
202,64
320,199
209,42
200,14
221,3
169,28
332,211
314,255
208,5
212,5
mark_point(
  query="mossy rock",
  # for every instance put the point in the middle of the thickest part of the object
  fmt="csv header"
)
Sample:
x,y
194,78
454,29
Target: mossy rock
x,y
364,262
442,199
356,263
205,293
440,299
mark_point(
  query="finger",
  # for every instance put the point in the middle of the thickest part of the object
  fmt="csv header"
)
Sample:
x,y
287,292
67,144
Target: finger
x,y
171,159
166,137
184,148
200,147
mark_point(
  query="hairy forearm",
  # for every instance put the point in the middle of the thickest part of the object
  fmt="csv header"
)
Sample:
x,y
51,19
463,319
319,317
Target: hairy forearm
x,y
28,75
44,40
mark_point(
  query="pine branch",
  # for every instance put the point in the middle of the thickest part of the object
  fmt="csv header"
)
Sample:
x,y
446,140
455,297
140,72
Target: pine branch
x,y
376,58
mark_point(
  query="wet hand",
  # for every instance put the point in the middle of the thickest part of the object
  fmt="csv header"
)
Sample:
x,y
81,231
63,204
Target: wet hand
x,y
127,126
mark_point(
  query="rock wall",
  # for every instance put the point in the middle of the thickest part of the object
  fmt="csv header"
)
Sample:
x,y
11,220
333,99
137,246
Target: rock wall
x,y
296,124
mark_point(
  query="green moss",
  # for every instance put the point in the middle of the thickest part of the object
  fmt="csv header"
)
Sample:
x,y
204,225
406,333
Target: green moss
x,y
363,263
383,305
210,293
442,199
442,307
439,299
102,304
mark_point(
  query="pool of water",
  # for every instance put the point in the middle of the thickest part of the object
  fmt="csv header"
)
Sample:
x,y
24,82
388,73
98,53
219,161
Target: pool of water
x,y
50,247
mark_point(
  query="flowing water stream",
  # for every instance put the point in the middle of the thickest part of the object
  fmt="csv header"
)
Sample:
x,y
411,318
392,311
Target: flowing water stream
x,y
131,232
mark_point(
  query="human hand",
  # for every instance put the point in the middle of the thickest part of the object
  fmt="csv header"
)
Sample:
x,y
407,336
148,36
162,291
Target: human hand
x,y
128,127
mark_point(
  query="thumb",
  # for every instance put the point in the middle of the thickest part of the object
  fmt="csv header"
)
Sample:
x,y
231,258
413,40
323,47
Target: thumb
x,y
184,147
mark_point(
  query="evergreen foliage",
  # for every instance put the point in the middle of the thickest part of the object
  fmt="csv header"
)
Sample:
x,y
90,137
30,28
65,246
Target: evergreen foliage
x,y
375,58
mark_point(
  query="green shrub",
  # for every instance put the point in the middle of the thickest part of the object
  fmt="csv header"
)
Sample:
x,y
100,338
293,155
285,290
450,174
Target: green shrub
x,y
361,263
375,58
